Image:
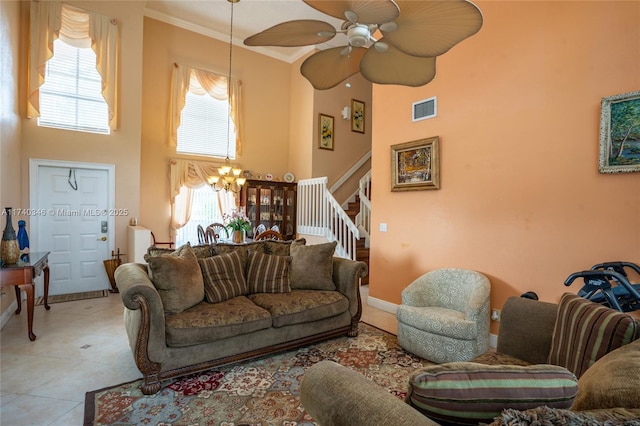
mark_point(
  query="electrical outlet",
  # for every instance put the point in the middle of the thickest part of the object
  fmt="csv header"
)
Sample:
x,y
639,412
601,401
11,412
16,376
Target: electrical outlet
x,y
495,315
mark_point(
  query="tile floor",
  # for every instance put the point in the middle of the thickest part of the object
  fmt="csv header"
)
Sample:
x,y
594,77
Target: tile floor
x,y
80,346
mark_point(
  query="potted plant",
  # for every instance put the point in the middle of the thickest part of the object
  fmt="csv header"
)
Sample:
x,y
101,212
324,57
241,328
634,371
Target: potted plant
x,y
238,223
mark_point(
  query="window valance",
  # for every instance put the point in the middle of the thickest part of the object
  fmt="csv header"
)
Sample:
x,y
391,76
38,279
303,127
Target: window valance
x,y
185,78
191,174
50,20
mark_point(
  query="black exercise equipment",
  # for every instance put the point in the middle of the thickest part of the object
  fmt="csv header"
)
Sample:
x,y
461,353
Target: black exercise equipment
x,y
608,284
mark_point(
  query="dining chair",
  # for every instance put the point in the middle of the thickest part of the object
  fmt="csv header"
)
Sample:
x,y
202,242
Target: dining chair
x,y
269,235
202,236
217,230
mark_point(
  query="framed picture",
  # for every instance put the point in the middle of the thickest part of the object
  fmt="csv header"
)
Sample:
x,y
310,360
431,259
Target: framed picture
x,y
415,165
325,132
620,133
357,116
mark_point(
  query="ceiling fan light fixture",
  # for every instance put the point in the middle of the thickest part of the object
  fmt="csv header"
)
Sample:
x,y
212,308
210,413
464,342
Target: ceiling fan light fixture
x,y
351,16
381,46
388,26
358,35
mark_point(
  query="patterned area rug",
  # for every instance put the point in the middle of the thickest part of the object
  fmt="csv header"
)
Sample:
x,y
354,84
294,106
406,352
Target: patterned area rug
x,y
59,298
259,392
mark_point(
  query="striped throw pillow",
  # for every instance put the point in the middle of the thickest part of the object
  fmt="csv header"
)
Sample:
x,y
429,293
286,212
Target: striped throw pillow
x,y
585,331
470,393
267,273
223,277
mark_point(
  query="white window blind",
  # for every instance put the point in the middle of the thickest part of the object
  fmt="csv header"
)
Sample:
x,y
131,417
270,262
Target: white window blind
x,y
70,97
203,127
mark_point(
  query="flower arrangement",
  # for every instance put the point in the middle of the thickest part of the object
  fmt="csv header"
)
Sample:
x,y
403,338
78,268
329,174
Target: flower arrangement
x,y
237,221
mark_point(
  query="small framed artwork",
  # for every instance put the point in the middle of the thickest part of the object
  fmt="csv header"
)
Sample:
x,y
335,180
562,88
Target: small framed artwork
x,y
357,116
415,165
620,133
325,132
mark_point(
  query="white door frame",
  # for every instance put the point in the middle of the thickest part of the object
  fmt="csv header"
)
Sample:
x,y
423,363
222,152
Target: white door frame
x,y
34,169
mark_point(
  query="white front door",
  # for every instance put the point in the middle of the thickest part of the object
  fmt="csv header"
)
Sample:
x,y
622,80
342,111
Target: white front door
x,y
75,226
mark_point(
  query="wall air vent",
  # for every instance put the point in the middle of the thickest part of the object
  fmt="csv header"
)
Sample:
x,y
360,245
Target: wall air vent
x,y
426,108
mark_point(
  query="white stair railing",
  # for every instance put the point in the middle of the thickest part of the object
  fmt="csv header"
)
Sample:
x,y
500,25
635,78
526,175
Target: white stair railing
x,y
363,219
320,214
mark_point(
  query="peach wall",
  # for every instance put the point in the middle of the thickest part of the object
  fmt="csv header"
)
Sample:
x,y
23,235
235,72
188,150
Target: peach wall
x,y
121,147
521,199
266,111
301,124
349,146
10,126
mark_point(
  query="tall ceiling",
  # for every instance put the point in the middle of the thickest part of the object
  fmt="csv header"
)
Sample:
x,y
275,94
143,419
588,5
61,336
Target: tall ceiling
x,y
213,17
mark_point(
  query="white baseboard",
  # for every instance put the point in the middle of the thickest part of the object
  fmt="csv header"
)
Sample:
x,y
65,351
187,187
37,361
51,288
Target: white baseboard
x,y
8,313
383,305
493,341
392,308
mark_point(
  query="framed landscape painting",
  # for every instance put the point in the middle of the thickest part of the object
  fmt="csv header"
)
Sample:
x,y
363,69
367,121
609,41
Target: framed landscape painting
x,y
620,133
415,165
325,132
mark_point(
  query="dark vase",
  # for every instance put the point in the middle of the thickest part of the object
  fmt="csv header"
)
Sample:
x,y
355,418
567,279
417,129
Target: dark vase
x,y
9,249
23,237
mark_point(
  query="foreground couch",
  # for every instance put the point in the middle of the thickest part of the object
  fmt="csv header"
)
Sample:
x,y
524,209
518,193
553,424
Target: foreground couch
x,y
198,307
585,358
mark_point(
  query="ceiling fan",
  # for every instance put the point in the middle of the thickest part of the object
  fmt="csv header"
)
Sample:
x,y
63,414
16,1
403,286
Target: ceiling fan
x,y
413,33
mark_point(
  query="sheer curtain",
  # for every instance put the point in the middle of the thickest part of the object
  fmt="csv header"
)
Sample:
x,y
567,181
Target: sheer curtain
x,y
185,78
77,27
185,176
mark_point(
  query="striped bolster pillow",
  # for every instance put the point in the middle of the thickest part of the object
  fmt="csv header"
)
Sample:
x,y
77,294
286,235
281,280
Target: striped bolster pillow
x,y
469,393
585,331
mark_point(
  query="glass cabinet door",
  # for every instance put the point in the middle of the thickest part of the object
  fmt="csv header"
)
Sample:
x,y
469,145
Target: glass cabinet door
x,y
278,198
251,204
265,208
290,213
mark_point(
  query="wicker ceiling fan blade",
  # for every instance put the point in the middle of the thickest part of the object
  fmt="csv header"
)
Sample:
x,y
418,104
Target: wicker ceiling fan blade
x,y
367,11
430,28
293,33
327,68
396,67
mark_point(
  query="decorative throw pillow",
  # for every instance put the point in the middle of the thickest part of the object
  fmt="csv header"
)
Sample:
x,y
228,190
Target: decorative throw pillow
x,y
223,277
178,279
613,381
586,331
267,273
243,249
280,248
157,251
466,392
312,266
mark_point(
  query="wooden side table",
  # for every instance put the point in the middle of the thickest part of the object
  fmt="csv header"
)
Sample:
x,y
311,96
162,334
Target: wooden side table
x,y
22,276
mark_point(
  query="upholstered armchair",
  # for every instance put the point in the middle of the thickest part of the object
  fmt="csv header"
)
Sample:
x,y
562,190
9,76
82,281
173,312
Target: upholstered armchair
x,y
444,315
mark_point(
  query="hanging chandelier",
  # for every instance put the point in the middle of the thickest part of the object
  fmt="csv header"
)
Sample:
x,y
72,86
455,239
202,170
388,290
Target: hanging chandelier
x,y
228,176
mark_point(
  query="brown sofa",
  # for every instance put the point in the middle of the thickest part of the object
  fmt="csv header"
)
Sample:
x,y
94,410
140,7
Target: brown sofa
x,y
198,307
595,386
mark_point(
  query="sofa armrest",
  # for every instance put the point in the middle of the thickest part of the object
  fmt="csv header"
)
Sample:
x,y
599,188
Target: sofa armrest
x,y
346,277
336,395
144,313
526,329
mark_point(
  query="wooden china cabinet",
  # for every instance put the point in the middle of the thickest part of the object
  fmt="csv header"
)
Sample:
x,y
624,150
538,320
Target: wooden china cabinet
x,y
271,204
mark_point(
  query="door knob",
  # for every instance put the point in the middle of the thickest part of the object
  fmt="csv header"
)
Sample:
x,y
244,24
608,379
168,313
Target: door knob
x,y
102,239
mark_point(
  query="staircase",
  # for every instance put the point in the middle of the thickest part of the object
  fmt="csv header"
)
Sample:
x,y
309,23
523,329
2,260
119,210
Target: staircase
x,y
362,251
318,213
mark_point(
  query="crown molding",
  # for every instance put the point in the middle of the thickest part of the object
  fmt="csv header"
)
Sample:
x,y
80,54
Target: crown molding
x,y
190,26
